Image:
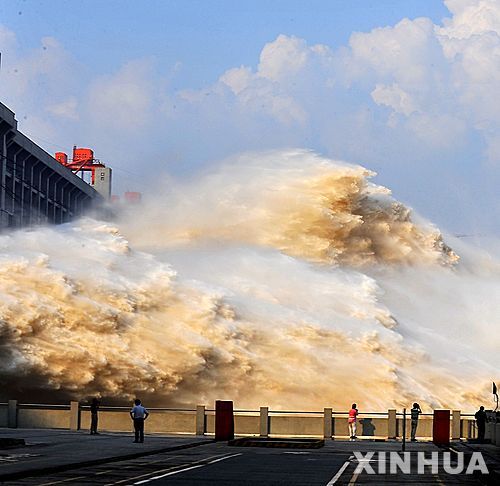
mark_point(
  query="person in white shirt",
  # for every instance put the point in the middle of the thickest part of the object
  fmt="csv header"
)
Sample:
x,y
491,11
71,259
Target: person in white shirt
x,y
139,414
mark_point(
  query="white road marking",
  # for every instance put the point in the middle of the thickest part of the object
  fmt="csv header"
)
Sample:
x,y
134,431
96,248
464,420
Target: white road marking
x,y
135,466
63,481
171,473
16,457
128,480
225,457
354,478
339,472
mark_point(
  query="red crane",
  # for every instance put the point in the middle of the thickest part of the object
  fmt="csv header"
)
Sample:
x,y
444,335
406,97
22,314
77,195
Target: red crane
x,y
82,161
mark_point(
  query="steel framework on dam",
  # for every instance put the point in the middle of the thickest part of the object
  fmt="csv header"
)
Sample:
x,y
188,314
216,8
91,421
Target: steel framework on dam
x,y
34,187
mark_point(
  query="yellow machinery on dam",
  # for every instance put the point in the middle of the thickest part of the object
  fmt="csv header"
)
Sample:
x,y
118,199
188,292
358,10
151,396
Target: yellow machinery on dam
x,y
34,187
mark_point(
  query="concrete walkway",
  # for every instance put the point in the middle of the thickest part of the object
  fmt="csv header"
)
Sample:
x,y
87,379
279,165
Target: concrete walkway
x,y
51,450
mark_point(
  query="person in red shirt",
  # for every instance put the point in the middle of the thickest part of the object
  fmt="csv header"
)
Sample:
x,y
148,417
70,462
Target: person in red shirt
x,y
353,413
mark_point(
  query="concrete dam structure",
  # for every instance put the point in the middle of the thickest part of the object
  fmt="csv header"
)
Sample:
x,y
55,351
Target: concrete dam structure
x,y
34,187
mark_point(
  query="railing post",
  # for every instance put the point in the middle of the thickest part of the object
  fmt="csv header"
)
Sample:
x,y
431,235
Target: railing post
x,y
327,423
74,416
12,414
200,420
455,424
471,429
391,424
264,421
403,443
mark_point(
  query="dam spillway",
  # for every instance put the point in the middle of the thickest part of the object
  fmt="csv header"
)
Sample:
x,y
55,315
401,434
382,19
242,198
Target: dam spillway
x,y
34,187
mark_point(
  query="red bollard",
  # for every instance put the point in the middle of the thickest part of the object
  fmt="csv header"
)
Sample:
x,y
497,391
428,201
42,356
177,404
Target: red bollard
x,y
224,420
441,427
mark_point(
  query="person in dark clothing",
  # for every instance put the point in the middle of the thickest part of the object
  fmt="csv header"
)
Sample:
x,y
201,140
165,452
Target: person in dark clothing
x,y
139,414
480,416
94,407
415,412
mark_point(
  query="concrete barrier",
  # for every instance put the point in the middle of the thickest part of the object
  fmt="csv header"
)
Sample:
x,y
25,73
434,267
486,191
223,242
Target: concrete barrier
x,y
375,426
263,422
368,425
391,423
115,421
159,421
171,422
489,432
340,427
4,414
247,424
288,425
200,420
210,420
12,414
35,418
455,425
497,434
469,428
327,423
74,416
424,427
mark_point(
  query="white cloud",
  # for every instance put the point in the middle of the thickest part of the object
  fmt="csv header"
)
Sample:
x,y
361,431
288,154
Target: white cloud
x,y
471,17
414,93
46,71
124,99
66,109
404,99
59,102
284,57
437,131
8,39
237,79
394,97
408,53
41,85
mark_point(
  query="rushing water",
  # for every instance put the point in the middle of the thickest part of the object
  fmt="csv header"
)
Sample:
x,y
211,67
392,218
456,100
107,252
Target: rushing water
x,y
281,279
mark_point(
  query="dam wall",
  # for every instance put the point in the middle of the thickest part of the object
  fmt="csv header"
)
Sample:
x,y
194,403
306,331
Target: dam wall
x,y
34,187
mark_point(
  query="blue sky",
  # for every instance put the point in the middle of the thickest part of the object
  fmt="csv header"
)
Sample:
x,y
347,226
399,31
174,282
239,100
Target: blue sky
x,y
405,88
206,37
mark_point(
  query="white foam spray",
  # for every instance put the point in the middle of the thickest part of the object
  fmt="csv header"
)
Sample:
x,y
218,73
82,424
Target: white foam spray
x,y
281,279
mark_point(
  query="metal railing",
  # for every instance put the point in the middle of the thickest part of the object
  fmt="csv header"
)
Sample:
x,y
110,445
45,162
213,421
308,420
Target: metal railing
x,y
40,406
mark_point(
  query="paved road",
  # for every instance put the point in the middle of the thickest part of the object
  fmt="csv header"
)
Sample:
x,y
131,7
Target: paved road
x,y
208,464
219,464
